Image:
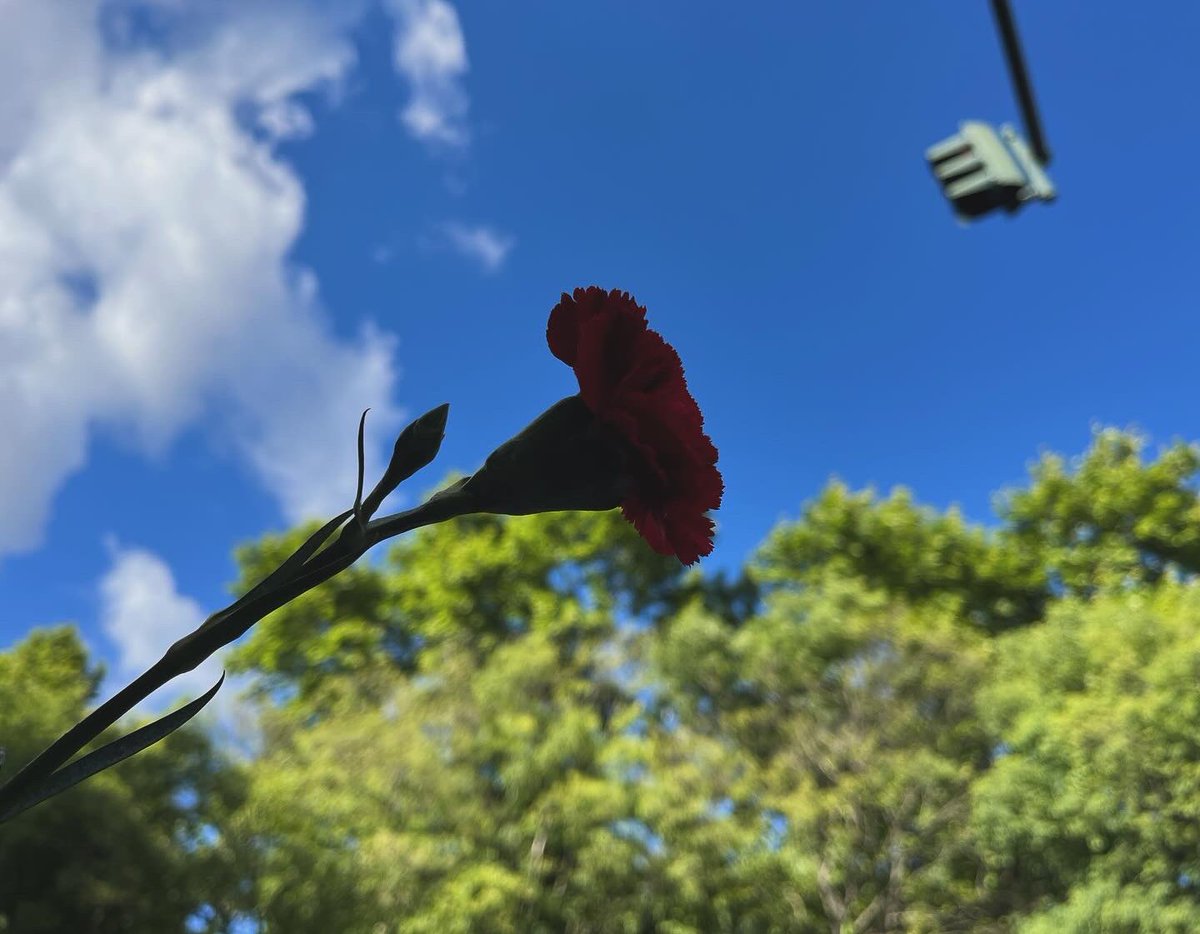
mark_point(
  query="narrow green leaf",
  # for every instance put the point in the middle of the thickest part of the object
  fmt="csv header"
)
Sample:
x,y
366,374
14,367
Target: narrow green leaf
x,y
73,773
362,424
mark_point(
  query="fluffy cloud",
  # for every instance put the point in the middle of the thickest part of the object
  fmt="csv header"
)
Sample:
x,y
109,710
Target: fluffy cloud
x,y
485,245
146,221
142,613
431,53
286,120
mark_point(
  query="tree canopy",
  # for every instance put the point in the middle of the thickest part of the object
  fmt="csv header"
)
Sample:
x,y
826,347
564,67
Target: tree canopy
x,y
890,720
132,849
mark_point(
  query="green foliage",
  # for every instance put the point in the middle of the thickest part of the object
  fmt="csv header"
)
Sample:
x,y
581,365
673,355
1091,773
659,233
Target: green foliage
x,y
1104,907
126,851
895,722
1112,521
891,720
910,552
1100,780
858,716
498,782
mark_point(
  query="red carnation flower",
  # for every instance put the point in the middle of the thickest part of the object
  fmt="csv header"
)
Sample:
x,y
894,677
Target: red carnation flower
x,y
632,380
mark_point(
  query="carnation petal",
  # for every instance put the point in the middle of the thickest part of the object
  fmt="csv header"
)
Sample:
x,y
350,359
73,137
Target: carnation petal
x,y
562,330
649,525
692,539
633,381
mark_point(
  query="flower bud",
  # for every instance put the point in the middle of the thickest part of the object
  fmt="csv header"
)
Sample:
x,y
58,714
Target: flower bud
x,y
417,445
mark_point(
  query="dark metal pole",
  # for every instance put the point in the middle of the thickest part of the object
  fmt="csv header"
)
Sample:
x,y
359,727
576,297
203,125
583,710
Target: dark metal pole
x,y
1020,79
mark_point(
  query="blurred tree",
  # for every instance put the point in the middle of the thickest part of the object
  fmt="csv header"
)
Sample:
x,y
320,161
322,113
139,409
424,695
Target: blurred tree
x,y
891,720
910,552
856,717
133,849
1110,520
1095,802
540,725
484,777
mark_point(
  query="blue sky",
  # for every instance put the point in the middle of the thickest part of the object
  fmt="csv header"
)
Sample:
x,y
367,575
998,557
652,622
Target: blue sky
x,y
226,228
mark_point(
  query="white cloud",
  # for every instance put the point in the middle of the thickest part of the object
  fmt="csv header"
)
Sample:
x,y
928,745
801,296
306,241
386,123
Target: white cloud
x,y
142,613
430,51
145,229
286,120
485,245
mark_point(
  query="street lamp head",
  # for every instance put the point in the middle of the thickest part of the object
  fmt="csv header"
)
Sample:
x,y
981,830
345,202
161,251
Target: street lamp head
x,y
981,170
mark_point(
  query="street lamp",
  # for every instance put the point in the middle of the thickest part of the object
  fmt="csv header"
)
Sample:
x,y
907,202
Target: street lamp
x,y
981,169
